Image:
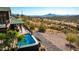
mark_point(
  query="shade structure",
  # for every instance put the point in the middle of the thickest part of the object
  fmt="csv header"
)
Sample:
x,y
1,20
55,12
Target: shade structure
x,y
16,21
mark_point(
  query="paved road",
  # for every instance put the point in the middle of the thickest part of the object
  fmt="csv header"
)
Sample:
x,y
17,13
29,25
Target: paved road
x,y
49,46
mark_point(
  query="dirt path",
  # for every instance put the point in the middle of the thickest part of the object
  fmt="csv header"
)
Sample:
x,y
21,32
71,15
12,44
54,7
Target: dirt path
x,y
49,46
58,39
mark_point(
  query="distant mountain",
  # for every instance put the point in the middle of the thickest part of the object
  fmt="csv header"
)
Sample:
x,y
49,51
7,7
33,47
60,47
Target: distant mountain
x,y
49,15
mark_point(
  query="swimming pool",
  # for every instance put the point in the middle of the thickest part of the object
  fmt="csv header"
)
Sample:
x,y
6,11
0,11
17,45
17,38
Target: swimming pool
x,y
29,43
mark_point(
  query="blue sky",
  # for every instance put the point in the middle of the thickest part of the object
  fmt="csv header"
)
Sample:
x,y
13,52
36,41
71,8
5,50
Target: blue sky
x,y
45,10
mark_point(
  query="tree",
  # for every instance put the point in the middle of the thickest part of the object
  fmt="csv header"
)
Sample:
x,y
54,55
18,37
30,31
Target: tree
x,y
71,38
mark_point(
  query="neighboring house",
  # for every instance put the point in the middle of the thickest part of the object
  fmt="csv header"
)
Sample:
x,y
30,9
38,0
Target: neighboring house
x,y
5,14
6,20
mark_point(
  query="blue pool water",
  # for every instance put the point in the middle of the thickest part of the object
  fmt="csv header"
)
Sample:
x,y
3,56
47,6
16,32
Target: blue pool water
x,y
27,40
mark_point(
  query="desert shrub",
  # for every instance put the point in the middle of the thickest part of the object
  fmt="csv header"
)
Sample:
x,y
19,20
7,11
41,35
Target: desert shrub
x,y
31,27
42,28
74,31
78,27
71,38
65,30
55,27
77,41
26,24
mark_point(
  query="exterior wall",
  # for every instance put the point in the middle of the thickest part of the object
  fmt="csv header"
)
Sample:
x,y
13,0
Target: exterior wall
x,y
30,48
4,15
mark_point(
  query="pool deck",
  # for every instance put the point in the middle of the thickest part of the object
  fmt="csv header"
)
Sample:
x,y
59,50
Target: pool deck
x,y
24,31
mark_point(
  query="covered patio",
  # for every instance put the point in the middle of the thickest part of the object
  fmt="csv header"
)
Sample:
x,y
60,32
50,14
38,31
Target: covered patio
x,y
17,24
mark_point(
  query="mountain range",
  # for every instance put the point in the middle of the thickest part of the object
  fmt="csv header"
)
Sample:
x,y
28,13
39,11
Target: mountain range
x,y
49,15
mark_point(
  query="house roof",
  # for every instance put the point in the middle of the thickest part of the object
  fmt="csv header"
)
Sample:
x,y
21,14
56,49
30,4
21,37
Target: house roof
x,y
4,9
2,25
16,21
13,21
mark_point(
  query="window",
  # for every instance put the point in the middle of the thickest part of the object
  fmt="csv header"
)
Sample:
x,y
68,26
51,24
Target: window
x,y
3,17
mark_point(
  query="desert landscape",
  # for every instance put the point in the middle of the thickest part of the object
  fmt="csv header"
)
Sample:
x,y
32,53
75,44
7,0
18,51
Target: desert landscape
x,y
47,32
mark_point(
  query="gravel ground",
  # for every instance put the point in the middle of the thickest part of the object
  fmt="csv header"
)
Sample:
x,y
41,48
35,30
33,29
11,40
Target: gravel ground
x,y
49,46
58,39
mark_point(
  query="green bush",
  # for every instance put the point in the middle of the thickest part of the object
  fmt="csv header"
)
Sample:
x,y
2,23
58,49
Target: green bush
x,y
8,38
71,37
42,28
12,34
2,36
21,37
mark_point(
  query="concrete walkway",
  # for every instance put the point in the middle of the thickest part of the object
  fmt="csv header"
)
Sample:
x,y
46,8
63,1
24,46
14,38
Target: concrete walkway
x,y
24,31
